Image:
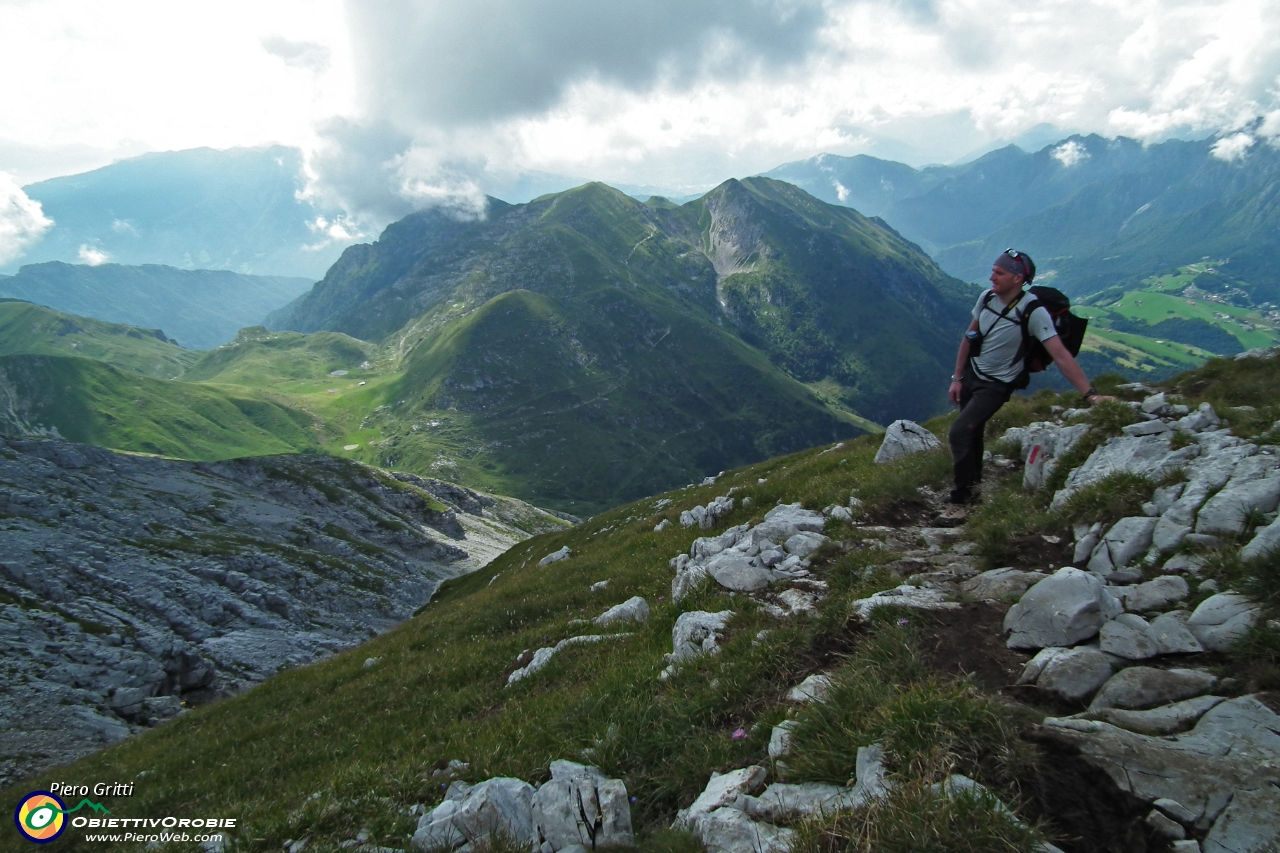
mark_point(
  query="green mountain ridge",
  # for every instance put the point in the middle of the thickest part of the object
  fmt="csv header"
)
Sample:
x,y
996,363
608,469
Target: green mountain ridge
x,y
29,329
92,402
652,342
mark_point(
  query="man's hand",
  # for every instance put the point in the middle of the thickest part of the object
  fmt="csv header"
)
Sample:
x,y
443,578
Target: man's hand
x,y
954,392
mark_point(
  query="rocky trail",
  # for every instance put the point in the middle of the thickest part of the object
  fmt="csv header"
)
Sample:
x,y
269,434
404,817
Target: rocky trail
x,y
1111,639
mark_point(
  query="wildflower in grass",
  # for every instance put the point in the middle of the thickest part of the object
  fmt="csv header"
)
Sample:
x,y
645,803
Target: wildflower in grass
x,y
739,734
904,622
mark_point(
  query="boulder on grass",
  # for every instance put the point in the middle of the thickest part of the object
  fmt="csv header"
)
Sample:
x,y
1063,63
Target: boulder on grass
x,y
905,438
580,805
496,808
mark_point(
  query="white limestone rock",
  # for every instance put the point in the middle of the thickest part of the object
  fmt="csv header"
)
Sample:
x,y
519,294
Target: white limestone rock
x,y
1146,455
1042,443
1222,619
696,633
543,656
815,688
780,739
689,577
1173,637
916,598
786,520
1140,687
1000,584
904,438
1155,594
580,806
1264,541
1230,757
1087,539
555,556
1164,720
723,789
1065,608
634,609
1127,539
805,543
782,801
1226,512
500,806
728,830
738,572
1250,824
1074,674
1128,636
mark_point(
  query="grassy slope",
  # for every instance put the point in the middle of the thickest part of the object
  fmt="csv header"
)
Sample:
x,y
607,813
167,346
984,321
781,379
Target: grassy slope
x,y
95,403
589,407
367,739
29,329
261,359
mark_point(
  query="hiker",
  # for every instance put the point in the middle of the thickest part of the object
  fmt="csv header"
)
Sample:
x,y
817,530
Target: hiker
x,y
992,363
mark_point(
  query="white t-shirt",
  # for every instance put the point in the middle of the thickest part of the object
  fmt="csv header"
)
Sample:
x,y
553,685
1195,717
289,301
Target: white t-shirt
x,y
1001,358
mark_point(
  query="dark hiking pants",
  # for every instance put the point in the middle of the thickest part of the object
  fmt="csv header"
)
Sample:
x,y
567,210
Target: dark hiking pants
x,y
979,400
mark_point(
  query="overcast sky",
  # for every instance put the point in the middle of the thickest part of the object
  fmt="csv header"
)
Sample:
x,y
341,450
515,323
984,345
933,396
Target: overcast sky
x,y
401,104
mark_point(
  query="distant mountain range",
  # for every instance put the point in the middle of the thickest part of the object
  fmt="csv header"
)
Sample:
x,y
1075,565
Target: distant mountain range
x,y
1093,212
580,350
199,308
596,346
233,210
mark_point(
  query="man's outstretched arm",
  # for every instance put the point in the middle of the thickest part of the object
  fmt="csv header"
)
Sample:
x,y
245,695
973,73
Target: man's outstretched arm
x,y
1071,369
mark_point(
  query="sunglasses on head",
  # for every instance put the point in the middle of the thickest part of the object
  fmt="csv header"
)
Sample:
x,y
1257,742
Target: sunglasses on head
x,y
1013,253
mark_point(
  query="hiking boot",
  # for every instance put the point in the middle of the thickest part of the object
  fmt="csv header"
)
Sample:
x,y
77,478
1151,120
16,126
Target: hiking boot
x,y
963,497
952,515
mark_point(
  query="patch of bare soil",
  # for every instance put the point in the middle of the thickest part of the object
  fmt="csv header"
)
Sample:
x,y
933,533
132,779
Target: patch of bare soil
x,y
969,641
1038,552
904,513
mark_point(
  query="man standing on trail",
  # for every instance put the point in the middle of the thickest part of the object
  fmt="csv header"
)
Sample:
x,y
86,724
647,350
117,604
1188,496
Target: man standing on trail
x,y
990,361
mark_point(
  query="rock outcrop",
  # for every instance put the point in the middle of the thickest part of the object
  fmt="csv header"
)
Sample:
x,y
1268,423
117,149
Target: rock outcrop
x,y
130,585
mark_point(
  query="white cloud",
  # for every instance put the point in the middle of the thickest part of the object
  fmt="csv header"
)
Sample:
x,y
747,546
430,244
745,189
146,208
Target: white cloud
x,y
402,104
451,94
299,54
1233,147
22,220
1070,153
93,256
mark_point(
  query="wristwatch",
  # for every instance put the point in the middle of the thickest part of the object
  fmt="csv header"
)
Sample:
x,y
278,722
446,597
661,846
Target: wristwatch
x,y
1092,392
955,378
